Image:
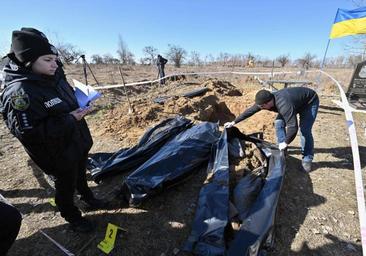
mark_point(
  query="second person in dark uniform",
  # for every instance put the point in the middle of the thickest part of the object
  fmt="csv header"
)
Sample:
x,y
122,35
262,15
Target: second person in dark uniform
x,y
161,65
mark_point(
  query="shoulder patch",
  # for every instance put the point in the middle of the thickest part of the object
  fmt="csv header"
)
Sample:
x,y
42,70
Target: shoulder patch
x,y
20,100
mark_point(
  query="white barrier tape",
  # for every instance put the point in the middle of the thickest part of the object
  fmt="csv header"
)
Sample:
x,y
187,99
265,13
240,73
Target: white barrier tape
x,y
356,162
63,249
103,87
352,109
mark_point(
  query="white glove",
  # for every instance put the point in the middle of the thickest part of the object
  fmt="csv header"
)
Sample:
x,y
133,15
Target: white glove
x,y
229,124
282,146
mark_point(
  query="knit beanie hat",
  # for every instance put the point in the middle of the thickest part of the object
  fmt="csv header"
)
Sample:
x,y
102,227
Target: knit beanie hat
x,y
28,44
35,31
262,97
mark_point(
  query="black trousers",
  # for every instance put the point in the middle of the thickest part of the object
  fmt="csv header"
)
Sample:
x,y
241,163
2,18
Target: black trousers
x,y
161,74
10,220
68,179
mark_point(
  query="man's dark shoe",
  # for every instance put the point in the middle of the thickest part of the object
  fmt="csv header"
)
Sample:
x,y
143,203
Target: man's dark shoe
x,y
82,226
306,166
96,204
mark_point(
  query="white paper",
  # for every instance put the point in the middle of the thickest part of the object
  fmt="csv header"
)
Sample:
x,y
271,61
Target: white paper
x,y
85,93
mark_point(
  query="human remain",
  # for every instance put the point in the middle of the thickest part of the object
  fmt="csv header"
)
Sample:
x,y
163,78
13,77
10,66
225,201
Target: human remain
x,y
288,103
40,109
161,64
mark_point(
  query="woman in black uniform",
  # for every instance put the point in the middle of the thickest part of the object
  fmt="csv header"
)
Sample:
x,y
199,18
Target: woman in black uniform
x,y
40,109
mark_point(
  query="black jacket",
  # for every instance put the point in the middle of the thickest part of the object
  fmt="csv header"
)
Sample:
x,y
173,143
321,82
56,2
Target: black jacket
x,y
161,61
36,110
288,103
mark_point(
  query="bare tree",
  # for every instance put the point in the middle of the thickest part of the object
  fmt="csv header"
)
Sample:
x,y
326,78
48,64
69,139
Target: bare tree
x,y
283,59
126,57
109,59
236,60
336,62
97,59
353,60
195,59
131,59
145,61
266,62
150,52
176,54
68,52
223,58
307,61
339,61
209,59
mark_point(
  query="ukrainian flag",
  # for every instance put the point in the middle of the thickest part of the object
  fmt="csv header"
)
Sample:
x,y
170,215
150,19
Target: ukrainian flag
x,y
349,22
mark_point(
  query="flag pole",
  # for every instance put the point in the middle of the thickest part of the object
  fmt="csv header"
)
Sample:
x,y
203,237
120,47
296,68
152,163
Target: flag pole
x,y
318,80
325,54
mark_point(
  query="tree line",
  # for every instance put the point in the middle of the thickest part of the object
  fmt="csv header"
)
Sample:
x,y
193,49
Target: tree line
x,y
178,56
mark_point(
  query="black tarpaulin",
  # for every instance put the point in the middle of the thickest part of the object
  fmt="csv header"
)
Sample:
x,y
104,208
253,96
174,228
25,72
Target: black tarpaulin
x,y
212,213
129,159
179,157
256,231
245,193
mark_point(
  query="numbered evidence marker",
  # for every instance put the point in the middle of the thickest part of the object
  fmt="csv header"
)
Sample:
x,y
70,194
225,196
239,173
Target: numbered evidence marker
x,y
110,238
52,202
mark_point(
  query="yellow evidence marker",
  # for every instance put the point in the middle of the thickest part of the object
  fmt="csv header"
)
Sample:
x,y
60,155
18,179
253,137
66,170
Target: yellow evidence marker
x,y
107,244
52,202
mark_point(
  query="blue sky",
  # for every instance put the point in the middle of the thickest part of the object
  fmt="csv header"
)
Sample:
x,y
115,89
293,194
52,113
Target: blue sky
x,y
266,28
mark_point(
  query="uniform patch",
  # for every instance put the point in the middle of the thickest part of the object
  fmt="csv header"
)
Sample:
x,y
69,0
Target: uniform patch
x,y
52,102
20,100
24,123
13,66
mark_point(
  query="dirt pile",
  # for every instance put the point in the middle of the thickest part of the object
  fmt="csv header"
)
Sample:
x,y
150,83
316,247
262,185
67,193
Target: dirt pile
x,y
209,107
221,103
223,88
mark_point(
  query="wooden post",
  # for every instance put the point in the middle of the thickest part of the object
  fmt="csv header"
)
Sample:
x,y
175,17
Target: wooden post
x,y
130,109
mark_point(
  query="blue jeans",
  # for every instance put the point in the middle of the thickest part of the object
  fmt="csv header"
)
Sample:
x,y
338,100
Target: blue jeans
x,y
307,119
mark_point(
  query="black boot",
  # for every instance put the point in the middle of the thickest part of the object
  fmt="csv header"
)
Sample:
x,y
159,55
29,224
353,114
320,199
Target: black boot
x,y
82,225
95,204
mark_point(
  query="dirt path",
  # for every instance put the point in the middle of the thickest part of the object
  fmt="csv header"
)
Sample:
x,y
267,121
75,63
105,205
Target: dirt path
x,y
317,212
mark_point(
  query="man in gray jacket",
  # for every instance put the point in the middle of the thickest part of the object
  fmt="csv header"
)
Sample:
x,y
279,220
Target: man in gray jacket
x,y
288,103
